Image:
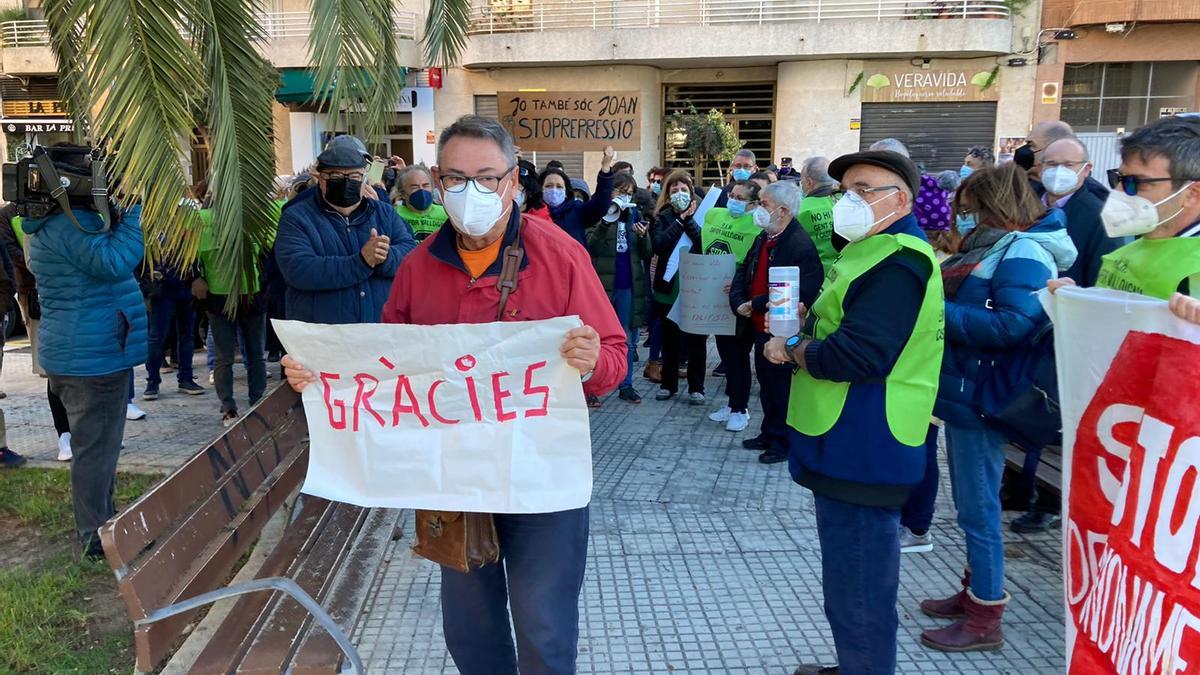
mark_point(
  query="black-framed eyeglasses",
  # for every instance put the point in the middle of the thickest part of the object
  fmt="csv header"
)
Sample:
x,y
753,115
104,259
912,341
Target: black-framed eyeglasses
x,y
457,183
1129,184
335,175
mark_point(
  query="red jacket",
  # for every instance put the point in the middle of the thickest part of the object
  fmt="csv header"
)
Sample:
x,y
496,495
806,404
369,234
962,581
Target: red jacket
x,y
556,279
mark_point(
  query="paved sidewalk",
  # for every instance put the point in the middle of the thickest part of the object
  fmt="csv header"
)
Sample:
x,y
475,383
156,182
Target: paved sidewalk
x,y
175,428
702,560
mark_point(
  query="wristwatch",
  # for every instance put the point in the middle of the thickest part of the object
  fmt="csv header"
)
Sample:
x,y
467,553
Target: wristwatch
x,y
791,345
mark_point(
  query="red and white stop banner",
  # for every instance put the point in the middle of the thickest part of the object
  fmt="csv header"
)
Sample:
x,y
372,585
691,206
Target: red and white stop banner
x,y
1129,380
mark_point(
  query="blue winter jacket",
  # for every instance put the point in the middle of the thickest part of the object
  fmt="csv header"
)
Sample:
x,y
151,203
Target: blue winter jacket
x,y
1009,276
577,217
318,252
93,315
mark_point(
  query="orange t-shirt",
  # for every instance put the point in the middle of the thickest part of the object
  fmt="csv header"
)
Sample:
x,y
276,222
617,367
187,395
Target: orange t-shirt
x,y
477,262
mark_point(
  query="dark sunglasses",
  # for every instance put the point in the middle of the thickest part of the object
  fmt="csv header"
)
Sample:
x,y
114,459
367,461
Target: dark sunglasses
x,y
1129,184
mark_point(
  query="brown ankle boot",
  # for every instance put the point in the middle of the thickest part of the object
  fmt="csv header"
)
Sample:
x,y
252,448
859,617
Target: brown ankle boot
x,y
653,371
951,607
979,630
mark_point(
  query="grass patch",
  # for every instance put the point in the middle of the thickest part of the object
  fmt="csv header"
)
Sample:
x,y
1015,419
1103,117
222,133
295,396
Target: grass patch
x,y
59,611
42,497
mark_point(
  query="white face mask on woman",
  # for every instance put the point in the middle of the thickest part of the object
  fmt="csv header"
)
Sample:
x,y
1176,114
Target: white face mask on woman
x,y
472,211
853,218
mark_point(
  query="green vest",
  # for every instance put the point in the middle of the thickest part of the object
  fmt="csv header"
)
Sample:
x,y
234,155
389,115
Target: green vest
x,y
15,223
723,233
816,217
217,275
423,224
911,388
1154,267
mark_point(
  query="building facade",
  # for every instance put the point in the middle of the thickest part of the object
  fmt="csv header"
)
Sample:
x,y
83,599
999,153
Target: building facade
x,y
1128,63
795,77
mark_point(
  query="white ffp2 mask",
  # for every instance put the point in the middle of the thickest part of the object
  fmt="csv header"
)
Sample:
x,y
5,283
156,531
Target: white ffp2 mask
x,y
472,211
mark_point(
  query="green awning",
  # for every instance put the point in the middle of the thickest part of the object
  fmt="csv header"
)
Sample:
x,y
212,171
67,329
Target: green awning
x,y
297,85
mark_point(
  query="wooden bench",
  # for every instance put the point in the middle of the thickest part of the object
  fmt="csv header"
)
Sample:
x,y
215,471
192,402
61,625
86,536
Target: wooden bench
x,y
1049,470
175,549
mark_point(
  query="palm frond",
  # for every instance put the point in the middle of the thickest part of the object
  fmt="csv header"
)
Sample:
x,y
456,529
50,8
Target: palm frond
x,y
241,86
64,18
446,27
344,40
386,71
141,79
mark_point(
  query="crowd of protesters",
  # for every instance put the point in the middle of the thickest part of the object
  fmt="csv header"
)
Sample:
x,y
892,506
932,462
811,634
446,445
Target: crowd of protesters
x,y
909,284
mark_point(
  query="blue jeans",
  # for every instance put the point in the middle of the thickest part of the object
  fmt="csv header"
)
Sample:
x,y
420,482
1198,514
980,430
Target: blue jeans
x,y
622,299
252,324
917,514
976,464
540,577
164,312
860,574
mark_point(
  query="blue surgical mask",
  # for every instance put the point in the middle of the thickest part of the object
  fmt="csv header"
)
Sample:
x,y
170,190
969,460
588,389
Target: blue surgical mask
x,y
656,188
965,224
420,200
737,207
964,171
741,174
554,196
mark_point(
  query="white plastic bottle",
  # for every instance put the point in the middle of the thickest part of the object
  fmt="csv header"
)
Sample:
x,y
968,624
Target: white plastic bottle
x,y
783,313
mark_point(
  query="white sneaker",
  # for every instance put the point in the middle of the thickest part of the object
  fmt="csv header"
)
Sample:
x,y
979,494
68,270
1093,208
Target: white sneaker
x,y
64,447
911,543
738,421
210,377
132,412
721,415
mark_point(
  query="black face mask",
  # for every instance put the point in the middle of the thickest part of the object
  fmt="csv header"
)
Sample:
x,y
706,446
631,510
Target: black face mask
x,y
1024,157
343,192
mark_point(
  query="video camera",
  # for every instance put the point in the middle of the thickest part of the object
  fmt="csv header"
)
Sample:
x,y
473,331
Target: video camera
x,y
60,178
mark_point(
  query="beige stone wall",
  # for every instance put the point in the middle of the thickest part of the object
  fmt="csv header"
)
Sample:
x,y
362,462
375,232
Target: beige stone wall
x,y
813,110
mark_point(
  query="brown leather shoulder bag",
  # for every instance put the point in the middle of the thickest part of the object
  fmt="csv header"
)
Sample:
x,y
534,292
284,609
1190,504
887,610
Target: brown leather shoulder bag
x,y
454,539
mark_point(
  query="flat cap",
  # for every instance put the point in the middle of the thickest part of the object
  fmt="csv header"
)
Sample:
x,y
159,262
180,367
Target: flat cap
x,y
884,159
343,152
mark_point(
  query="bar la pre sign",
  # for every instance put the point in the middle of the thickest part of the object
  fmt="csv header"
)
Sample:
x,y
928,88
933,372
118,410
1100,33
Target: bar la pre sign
x,y
573,121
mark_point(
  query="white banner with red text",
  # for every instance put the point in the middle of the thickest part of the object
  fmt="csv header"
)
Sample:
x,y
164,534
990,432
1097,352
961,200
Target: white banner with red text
x,y
467,417
1129,381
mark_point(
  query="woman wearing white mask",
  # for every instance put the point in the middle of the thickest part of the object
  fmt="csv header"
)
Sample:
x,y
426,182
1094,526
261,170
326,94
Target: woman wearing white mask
x,y
572,215
1156,197
730,230
676,204
992,316
780,241
867,362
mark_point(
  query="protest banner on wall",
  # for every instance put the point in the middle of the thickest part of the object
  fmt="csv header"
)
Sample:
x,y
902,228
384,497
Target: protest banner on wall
x,y
1129,380
465,417
572,121
703,302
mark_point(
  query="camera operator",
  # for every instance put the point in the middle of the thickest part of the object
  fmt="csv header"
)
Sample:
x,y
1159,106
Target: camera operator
x,y
92,332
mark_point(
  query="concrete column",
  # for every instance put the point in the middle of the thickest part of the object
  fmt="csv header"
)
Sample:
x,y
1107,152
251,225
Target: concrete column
x,y
813,110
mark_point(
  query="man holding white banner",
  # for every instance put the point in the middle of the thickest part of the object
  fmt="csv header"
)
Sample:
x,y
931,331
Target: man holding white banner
x,y
489,261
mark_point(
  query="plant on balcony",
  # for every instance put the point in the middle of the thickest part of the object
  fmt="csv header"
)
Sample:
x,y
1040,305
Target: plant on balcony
x,y
13,14
139,75
709,138
1017,7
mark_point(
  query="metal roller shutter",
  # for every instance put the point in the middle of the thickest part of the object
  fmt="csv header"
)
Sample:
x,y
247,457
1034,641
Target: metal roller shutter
x,y
937,134
487,106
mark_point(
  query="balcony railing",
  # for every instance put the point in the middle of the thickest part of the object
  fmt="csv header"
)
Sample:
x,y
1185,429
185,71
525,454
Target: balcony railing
x,y
276,25
514,16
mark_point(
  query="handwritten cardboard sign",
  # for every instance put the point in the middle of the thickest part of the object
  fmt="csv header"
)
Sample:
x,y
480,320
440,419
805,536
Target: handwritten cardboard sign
x,y
572,121
703,302
1129,377
467,417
